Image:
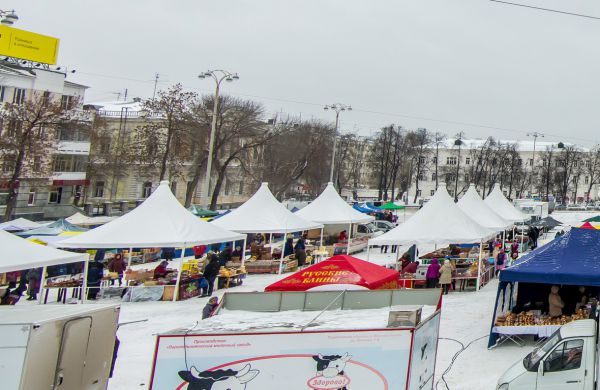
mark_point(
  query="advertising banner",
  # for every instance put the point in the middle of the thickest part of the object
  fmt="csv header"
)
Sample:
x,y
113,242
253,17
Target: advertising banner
x,y
28,45
366,360
424,352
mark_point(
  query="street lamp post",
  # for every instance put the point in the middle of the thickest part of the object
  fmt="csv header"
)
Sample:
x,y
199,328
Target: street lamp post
x,y
535,136
218,75
337,107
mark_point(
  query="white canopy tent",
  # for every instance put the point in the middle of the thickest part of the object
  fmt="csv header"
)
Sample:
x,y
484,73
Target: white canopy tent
x,y
20,223
330,209
439,222
262,213
501,206
19,254
83,220
472,205
160,221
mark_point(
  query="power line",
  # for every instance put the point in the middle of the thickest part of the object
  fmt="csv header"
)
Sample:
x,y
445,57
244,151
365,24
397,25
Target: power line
x,y
547,9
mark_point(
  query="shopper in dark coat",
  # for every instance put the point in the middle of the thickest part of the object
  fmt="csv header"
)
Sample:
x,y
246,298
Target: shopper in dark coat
x,y
94,277
301,251
289,247
117,264
211,271
33,280
210,307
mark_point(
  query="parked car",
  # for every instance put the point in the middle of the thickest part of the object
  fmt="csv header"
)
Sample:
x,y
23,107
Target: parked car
x,y
383,225
368,229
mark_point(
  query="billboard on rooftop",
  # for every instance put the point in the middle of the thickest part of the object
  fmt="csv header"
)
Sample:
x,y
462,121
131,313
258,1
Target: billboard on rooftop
x,y
28,46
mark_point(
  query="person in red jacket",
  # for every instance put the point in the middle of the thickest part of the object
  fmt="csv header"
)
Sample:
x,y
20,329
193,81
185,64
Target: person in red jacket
x,y
161,270
411,268
342,237
199,251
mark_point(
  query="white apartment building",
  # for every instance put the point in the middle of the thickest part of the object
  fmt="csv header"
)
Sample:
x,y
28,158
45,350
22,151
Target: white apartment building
x,y
41,196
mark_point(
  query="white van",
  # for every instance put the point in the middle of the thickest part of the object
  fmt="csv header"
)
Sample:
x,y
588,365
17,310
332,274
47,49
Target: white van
x,y
568,360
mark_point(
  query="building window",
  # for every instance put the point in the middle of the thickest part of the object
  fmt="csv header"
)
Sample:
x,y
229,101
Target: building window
x,y
421,177
450,177
435,160
433,176
530,162
418,192
241,188
146,189
586,180
421,159
8,163
19,96
14,127
99,189
53,197
105,146
174,187
66,102
468,160
31,198
451,160
466,177
37,164
432,192
46,98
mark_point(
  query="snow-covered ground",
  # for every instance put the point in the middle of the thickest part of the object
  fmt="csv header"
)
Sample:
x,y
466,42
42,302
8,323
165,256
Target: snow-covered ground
x,y
465,317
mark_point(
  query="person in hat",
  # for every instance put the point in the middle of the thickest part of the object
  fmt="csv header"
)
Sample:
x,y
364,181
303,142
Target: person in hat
x,y
210,307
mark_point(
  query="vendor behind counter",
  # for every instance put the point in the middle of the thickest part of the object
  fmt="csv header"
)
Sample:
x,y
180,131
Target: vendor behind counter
x,y
534,296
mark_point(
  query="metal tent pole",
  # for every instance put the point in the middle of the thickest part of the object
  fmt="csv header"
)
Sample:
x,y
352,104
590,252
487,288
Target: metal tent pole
x,y
86,267
321,243
244,251
176,292
129,258
41,289
479,265
281,257
349,236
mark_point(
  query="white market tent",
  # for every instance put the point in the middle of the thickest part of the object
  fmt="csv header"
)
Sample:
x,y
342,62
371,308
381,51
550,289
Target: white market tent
x,y
19,223
330,209
501,206
83,220
19,254
472,205
160,221
263,213
439,222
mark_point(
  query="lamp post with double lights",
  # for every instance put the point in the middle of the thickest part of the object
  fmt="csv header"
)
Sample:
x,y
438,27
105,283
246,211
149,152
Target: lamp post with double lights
x,y
535,136
218,75
337,108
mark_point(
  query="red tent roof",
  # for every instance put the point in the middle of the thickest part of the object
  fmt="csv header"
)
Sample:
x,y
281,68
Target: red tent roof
x,y
340,269
587,225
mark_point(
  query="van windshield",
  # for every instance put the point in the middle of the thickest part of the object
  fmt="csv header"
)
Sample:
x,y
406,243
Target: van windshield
x,y
531,361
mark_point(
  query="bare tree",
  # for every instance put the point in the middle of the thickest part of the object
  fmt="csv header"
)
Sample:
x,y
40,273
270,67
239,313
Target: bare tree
x,y
438,139
163,139
28,131
419,142
591,168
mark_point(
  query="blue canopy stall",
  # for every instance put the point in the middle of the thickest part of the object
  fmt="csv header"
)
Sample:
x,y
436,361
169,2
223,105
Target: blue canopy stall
x,y
571,260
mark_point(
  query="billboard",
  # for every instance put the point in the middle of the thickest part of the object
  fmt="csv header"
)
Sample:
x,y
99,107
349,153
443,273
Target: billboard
x,y
27,45
424,352
357,359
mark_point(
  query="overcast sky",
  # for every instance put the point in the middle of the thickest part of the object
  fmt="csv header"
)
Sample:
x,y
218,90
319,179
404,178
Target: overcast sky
x,y
447,65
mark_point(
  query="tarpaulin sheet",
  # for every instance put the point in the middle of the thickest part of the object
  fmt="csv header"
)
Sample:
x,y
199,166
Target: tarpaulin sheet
x,y
573,259
340,269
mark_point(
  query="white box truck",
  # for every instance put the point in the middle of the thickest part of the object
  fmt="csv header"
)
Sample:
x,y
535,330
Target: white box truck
x,y
375,340
568,360
58,347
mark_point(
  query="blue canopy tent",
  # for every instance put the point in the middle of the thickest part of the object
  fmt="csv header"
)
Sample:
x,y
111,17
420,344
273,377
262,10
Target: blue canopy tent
x,y
572,259
356,206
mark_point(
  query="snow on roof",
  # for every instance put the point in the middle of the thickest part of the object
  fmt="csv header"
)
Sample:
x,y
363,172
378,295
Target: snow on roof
x,y
294,320
330,208
131,106
522,145
16,70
